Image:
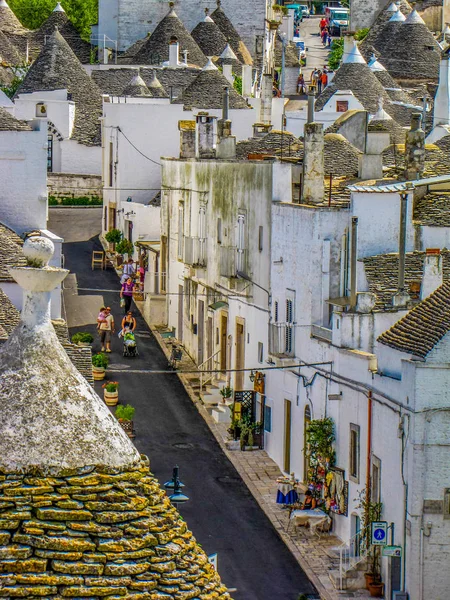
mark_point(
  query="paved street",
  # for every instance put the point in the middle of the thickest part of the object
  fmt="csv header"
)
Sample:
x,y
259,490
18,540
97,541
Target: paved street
x,y
222,513
316,55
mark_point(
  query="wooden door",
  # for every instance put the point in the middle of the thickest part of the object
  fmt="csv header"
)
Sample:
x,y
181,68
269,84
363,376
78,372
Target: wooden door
x,y
200,331
223,341
180,313
287,436
240,354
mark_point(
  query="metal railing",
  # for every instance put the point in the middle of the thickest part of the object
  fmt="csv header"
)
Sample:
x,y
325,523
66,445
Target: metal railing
x,y
282,339
195,251
352,553
206,367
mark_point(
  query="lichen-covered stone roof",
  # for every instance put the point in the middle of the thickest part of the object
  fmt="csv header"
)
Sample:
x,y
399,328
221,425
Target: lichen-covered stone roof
x,y
10,54
155,49
10,249
58,68
231,35
341,157
209,38
433,209
9,315
291,54
423,327
276,143
9,123
382,30
382,276
9,23
59,19
437,161
206,92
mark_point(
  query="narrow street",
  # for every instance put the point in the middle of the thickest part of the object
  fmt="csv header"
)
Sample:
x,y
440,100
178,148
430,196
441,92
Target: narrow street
x,y
221,512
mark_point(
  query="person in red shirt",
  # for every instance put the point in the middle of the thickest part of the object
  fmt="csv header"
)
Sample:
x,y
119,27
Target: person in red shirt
x,y
324,80
322,24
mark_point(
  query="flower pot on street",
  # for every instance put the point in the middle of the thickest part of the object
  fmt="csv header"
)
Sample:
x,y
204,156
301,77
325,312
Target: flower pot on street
x,y
371,579
98,373
376,590
111,398
127,426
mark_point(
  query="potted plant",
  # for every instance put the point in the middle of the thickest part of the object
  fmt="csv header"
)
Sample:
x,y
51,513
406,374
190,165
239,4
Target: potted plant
x,y
125,247
125,416
371,511
226,393
99,363
113,237
111,393
83,338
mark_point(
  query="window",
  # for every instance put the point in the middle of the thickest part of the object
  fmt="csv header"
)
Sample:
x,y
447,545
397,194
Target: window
x,y
260,238
376,479
50,153
260,352
289,326
341,105
267,418
354,453
240,243
219,230
111,164
202,233
180,231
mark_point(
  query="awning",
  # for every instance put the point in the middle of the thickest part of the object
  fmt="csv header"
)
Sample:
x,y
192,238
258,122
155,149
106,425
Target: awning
x,y
152,245
218,304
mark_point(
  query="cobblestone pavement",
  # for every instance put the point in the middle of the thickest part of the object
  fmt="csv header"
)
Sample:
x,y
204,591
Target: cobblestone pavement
x,y
314,554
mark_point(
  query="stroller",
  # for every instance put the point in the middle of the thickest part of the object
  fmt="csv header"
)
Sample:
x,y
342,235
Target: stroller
x,y
129,345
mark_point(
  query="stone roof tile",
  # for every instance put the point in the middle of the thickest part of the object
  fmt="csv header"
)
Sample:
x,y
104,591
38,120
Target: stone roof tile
x,y
10,251
9,23
423,327
10,54
231,35
433,209
9,123
209,38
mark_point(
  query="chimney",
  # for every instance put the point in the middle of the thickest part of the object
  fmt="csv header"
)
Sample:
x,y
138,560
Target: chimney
x,y
349,44
402,298
228,73
311,100
415,148
353,263
313,163
226,145
173,52
266,99
246,81
441,111
187,139
205,136
432,272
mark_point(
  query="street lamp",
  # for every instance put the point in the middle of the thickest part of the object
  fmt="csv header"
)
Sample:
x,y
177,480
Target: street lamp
x,y
177,497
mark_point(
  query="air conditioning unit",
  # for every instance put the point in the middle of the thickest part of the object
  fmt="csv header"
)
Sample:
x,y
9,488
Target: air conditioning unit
x,y
400,596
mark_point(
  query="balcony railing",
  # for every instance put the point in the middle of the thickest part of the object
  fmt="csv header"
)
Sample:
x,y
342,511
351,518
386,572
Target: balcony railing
x,y
194,251
232,261
282,339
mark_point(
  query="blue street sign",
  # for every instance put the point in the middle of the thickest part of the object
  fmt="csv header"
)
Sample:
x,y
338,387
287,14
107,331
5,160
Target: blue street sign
x,y
379,533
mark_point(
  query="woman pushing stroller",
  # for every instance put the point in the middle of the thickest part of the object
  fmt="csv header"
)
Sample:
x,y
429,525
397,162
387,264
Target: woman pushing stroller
x,y
127,332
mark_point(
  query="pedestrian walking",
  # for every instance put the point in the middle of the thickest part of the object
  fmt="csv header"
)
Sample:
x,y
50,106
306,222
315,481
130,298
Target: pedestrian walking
x,y
319,81
324,35
324,80
128,271
322,24
106,328
126,294
329,40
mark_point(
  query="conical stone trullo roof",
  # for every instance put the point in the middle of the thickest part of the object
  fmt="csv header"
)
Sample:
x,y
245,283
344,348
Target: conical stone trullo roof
x,y
84,516
59,19
231,35
58,68
412,53
208,36
9,23
384,29
137,88
9,53
206,91
155,50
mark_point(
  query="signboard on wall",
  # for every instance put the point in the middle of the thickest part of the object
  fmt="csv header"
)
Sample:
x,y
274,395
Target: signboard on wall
x,y
379,533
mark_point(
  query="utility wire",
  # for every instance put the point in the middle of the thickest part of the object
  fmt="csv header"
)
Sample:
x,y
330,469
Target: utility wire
x,y
137,149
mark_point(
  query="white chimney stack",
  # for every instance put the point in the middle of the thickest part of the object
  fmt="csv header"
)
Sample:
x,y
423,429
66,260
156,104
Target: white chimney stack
x,y
432,273
313,163
228,73
266,99
441,112
246,81
174,50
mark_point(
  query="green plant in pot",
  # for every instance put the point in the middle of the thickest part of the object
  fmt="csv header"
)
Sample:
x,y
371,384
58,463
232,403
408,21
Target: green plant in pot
x,y
125,414
113,236
83,338
226,393
99,363
111,393
125,247
370,512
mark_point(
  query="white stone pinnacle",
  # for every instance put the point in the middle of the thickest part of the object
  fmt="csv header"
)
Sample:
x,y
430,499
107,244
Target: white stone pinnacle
x,y
210,66
414,18
208,19
228,53
355,56
392,7
397,17
58,8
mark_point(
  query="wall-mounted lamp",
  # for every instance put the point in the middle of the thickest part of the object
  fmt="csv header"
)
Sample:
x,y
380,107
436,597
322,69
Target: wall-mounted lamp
x,y
252,376
131,213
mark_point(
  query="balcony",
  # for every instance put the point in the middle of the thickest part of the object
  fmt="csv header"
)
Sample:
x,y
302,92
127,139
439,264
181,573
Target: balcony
x,y
194,251
321,333
282,339
232,261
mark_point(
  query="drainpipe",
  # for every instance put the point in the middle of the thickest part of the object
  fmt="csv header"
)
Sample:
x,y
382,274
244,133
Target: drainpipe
x,y
401,298
353,263
369,449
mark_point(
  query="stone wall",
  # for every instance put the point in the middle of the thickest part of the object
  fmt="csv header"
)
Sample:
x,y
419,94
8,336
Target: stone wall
x,y
74,185
363,13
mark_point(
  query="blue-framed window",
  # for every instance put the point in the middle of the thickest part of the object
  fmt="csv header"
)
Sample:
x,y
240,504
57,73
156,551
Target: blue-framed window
x,y
268,419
